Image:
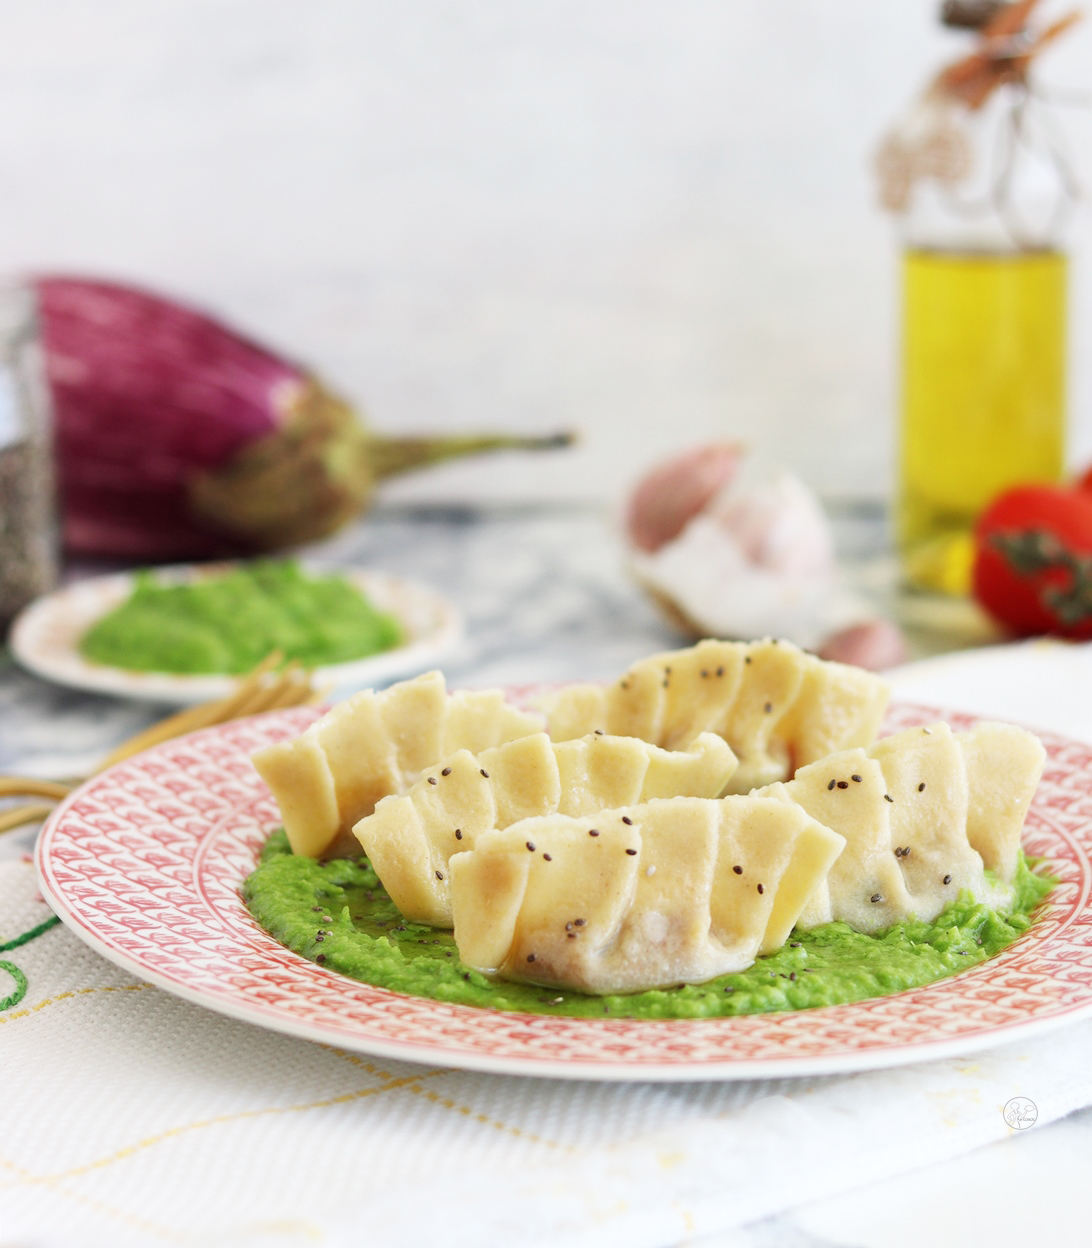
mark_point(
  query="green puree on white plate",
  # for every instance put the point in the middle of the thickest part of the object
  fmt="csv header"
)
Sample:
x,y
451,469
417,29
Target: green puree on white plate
x,y
337,914
229,623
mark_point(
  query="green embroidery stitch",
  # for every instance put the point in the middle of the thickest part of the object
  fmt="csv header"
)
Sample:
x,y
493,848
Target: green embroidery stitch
x,y
20,986
20,979
52,921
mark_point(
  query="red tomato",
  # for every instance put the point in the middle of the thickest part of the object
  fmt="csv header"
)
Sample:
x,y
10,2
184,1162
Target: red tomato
x,y
1033,561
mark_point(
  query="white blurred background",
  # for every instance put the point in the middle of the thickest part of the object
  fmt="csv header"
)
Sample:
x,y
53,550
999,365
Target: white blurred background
x,y
649,220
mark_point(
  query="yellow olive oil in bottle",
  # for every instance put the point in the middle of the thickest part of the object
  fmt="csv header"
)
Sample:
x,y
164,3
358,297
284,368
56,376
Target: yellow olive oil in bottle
x,y
983,396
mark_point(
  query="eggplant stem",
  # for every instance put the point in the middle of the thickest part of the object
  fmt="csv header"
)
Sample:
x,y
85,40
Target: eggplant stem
x,y
387,457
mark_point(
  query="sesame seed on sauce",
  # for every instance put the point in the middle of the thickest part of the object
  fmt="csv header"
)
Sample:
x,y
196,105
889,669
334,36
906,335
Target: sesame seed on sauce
x,y
593,831
831,785
876,897
598,732
856,779
439,875
547,857
531,846
947,879
761,889
921,787
530,957
631,852
446,771
433,780
458,834
843,784
485,773
627,821
579,922
888,798
738,870
321,958
650,870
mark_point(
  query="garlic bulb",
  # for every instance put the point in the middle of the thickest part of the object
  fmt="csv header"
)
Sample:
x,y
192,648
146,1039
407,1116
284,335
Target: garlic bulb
x,y
756,561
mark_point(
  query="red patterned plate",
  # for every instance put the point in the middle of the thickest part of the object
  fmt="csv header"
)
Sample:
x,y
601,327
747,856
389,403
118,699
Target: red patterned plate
x,y
145,861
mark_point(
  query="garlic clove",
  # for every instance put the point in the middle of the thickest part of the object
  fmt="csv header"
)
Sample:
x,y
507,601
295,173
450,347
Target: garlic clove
x,y
669,497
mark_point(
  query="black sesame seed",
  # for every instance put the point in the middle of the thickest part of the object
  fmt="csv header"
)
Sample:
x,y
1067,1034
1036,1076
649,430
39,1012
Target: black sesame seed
x,y
720,671
666,682
947,879
792,976
446,771
876,897
627,820
570,935
316,909
831,785
704,674
631,851
738,870
599,732
485,773
794,944
857,779
320,958
531,846
921,787
746,658
579,922
761,889
320,937
439,875
888,798
593,832
769,707
843,784
547,857
433,780
466,974
530,957
458,834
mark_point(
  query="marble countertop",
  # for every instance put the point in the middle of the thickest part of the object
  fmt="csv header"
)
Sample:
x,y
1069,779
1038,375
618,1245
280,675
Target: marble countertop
x,y
545,598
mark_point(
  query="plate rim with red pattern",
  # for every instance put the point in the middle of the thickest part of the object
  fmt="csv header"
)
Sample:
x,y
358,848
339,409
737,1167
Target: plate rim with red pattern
x,y
144,863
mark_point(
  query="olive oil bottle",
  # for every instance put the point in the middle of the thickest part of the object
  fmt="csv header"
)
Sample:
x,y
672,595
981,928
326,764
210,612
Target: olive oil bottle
x,y
983,396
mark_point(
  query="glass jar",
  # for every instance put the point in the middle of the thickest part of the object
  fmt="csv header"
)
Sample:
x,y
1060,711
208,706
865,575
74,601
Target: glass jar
x,y
28,532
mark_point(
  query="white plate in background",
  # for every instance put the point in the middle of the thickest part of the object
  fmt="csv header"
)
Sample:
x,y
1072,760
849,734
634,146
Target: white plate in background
x,y
46,635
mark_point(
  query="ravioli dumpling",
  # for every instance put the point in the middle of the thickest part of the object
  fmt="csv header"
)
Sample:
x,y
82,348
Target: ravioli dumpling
x,y
374,744
410,838
924,813
777,707
665,892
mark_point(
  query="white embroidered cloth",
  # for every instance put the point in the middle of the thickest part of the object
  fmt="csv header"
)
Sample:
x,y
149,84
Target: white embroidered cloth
x,y
131,1117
